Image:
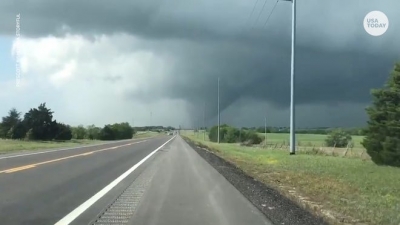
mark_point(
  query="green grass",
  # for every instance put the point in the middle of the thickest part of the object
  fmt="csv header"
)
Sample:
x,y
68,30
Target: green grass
x,y
350,188
306,139
146,134
8,146
316,143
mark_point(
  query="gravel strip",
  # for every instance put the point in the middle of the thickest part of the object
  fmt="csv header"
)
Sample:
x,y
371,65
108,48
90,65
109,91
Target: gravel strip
x,y
122,209
276,207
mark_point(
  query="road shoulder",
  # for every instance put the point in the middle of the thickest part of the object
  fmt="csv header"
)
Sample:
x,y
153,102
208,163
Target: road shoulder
x,y
278,208
187,190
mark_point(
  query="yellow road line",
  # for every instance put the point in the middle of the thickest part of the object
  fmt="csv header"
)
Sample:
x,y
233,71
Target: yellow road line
x,y
16,169
19,169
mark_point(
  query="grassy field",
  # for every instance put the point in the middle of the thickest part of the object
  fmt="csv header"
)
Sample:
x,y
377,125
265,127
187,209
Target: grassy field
x,y
146,134
306,139
349,190
8,146
315,143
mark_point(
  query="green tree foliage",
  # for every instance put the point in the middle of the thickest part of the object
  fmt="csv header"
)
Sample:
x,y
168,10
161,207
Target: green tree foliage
x,y
8,122
37,124
29,135
230,134
382,140
93,132
338,138
78,132
262,130
17,131
40,120
253,137
122,131
107,133
62,132
213,134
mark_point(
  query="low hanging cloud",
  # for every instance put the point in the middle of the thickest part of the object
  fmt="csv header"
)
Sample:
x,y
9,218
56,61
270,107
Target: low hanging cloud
x,y
179,50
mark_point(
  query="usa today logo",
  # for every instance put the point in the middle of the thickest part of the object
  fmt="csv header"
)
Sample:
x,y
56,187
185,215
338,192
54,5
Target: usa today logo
x,y
376,23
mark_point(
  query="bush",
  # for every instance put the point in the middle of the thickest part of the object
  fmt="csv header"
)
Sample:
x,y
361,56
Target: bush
x,y
253,138
122,131
232,135
213,134
338,138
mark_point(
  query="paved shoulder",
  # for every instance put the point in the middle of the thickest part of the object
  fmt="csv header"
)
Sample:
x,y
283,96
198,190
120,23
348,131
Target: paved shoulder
x,y
187,190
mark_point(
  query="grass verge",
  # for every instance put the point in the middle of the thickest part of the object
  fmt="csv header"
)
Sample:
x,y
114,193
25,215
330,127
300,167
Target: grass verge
x,y
9,146
147,134
343,190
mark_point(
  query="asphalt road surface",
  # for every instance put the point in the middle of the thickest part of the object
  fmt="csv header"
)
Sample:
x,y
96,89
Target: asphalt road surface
x,y
152,181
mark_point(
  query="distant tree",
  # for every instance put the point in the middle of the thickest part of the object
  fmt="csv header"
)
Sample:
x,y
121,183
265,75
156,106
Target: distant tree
x,y
40,120
107,133
382,136
78,132
123,131
213,134
261,129
62,132
17,131
92,132
9,121
29,135
338,138
232,135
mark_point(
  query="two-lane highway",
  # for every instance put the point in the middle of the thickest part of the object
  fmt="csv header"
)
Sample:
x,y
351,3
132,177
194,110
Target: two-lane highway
x,y
157,181
43,188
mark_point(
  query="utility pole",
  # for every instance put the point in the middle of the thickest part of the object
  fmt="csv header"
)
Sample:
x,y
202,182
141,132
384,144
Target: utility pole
x,y
218,112
265,132
292,83
204,121
198,126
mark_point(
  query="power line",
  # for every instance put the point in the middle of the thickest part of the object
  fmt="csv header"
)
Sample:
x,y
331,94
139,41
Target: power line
x,y
252,12
265,2
276,3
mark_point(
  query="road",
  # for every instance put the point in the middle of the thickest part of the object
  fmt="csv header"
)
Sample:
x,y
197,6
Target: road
x,y
153,181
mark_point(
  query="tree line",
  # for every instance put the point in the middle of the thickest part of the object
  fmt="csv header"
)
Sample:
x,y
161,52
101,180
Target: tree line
x,y
38,124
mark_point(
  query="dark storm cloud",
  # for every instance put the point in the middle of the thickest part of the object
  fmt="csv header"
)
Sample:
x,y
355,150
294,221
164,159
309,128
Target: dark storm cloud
x,y
337,61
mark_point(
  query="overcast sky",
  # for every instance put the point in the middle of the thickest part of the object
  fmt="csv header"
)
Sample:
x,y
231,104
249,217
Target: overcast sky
x,y
157,62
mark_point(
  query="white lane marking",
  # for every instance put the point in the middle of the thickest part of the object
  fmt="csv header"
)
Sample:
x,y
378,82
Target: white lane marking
x,y
84,206
64,149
